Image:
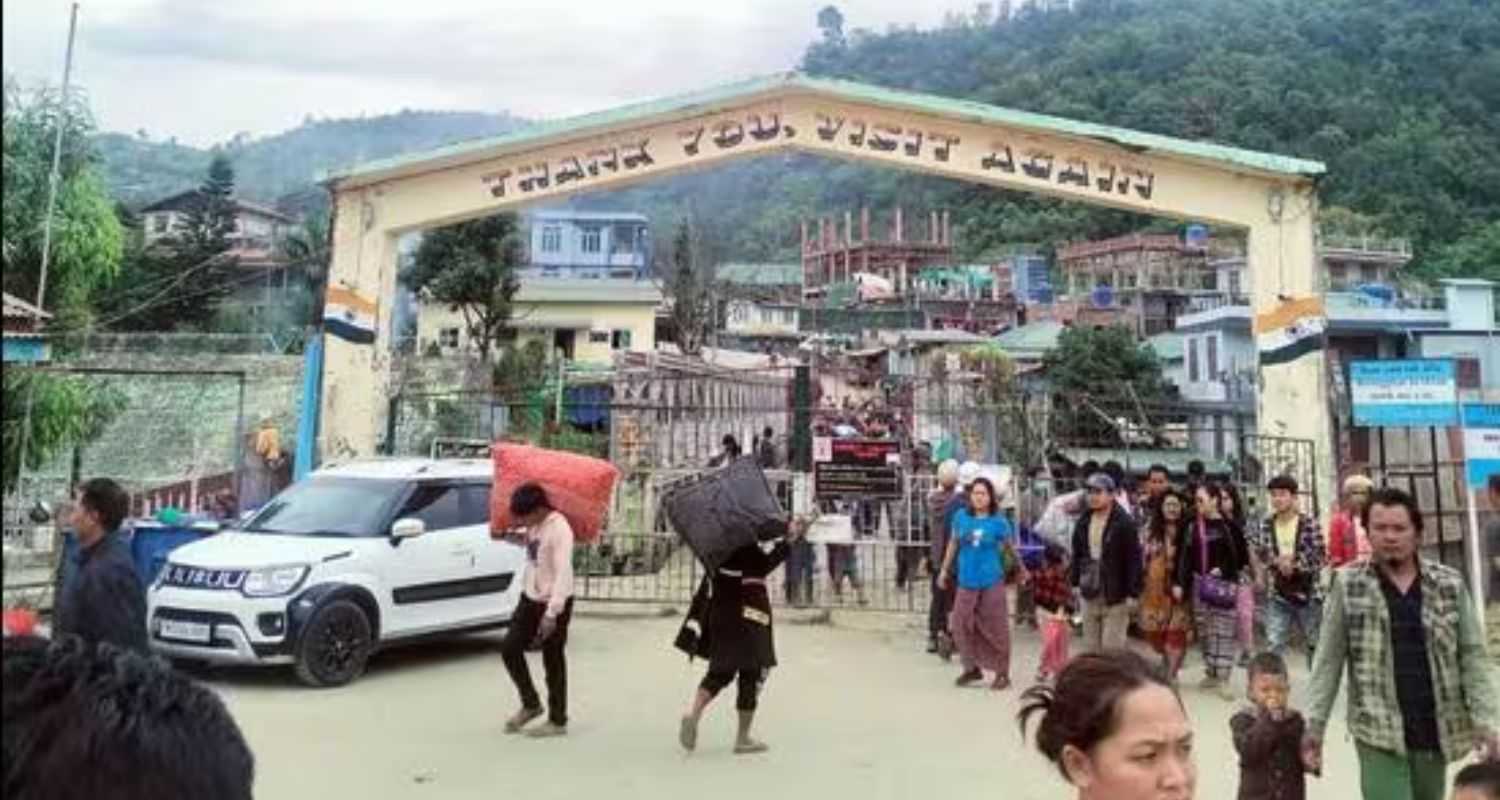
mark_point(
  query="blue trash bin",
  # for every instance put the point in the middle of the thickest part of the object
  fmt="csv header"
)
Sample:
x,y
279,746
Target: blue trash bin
x,y
152,542
149,543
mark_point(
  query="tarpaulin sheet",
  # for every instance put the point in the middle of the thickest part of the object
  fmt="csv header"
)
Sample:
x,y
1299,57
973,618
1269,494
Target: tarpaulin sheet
x,y
719,512
577,486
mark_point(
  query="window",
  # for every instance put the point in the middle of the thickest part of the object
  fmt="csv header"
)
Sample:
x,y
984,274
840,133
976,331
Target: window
x,y
590,243
1369,273
448,337
622,239
474,504
598,337
1337,277
437,505
329,507
1192,359
620,340
161,222
551,239
1211,341
1236,277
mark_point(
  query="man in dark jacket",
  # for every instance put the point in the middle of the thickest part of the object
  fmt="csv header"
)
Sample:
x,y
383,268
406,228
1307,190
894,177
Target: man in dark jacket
x,y
1106,566
102,599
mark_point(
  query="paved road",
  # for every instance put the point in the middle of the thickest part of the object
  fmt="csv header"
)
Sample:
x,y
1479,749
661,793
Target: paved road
x,y
855,710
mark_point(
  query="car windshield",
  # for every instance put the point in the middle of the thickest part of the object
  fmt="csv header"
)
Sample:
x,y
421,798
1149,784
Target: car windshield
x,y
329,507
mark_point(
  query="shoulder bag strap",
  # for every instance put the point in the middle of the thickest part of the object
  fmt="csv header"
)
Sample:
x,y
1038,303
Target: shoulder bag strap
x,y
1202,547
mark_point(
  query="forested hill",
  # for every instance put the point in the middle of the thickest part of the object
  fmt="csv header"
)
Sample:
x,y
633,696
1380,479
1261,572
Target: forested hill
x,y
1401,98
285,166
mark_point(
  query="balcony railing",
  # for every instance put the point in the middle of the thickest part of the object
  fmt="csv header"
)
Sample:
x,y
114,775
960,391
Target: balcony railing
x,y
1368,244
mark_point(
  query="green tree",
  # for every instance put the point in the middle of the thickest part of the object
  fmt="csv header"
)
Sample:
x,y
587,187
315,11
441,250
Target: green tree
x,y
1476,255
66,411
689,288
470,268
87,239
179,284
210,216
1098,375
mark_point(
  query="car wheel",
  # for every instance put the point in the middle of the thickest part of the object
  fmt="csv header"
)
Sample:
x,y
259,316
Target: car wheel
x,y
334,646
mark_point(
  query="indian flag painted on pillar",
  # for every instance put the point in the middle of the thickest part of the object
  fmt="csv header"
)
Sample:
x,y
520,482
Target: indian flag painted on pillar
x,y
1289,331
349,316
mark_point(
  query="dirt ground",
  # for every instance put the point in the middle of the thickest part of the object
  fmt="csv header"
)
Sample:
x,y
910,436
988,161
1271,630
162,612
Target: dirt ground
x,y
856,709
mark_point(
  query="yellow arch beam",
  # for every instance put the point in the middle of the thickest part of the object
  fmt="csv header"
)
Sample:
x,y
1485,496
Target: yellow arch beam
x,y
1271,196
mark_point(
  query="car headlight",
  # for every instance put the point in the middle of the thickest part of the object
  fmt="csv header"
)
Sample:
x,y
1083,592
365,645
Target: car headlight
x,y
274,581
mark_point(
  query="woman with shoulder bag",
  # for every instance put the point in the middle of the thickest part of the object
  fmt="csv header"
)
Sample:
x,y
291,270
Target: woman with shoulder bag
x,y
1208,572
977,557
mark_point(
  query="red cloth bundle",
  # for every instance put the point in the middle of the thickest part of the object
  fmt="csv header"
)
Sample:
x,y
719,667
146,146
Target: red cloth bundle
x,y
579,487
19,622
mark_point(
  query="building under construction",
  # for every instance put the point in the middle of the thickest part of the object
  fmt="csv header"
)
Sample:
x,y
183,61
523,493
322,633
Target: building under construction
x,y
833,255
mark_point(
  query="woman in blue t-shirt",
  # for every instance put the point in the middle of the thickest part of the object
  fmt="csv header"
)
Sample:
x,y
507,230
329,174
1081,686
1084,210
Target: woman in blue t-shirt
x,y
980,623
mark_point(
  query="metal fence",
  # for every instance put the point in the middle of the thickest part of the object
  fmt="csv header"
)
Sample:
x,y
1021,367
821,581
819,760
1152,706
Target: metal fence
x,y
660,429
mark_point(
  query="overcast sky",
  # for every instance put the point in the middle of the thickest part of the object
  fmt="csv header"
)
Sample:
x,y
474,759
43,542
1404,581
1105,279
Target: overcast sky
x,y
203,70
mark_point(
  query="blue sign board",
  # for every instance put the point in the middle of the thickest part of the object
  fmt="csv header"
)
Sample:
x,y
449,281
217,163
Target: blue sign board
x,y
1482,442
1404,393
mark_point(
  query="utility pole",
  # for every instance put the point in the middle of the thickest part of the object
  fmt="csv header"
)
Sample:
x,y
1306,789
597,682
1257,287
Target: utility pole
x,y
53,176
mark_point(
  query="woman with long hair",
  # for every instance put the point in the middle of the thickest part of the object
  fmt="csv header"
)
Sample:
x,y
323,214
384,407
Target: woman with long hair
x,y
1232,508
1115,729
980,622
1209,573
1166,615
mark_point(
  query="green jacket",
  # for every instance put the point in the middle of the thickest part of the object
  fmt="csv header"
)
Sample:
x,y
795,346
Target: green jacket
x,y
1356,630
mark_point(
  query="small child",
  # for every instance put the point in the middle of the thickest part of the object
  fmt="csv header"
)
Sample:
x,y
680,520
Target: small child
x,y
1054,607
1268,736
1479,781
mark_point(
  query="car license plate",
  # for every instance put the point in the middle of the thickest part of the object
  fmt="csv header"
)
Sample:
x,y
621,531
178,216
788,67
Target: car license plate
x,y
186,631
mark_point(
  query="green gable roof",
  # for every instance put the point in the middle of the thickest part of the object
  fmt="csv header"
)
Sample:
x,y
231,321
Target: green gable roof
x,y
1035,339
708,100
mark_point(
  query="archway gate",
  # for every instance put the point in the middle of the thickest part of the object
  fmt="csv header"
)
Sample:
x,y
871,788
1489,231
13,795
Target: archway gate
x,y
1272,197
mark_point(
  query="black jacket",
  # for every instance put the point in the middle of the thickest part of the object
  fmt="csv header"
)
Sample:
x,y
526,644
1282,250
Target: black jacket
x,y
1227,552
729,621
102,599
1120,569
1270,756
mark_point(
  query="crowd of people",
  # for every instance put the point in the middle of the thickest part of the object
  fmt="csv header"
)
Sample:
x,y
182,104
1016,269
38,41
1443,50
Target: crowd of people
x,y
1188,565
1179,565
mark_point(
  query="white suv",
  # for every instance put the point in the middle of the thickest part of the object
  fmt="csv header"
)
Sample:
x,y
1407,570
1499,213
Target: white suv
x,y
353,558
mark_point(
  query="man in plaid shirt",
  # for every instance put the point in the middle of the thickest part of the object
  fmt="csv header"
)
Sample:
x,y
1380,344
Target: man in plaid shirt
x,y
1420,695
1290,544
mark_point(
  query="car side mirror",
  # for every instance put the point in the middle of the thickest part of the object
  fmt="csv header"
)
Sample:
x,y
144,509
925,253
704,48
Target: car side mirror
x,y
407,528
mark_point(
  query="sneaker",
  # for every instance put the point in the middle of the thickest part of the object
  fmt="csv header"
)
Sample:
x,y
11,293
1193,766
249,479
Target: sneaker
x,y
548,731
969,677
1000,684
519,719
746,747
932,645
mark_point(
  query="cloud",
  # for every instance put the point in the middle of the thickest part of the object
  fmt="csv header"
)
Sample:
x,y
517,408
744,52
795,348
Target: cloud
x,y
204,70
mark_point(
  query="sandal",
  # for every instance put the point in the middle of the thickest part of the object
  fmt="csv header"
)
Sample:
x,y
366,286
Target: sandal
x,y
520,718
